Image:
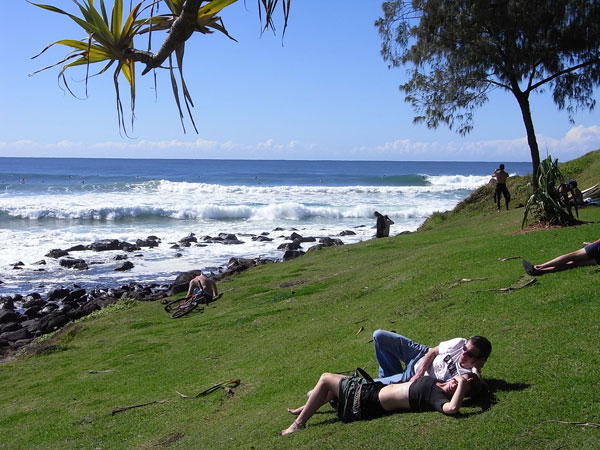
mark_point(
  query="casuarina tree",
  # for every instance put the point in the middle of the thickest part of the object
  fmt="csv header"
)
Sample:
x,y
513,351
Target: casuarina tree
x,y
458,51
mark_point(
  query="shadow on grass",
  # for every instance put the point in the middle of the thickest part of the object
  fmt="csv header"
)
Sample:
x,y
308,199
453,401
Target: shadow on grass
x,y
488,398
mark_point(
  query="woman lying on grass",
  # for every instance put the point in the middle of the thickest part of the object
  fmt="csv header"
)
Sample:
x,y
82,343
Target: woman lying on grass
x,y
359,399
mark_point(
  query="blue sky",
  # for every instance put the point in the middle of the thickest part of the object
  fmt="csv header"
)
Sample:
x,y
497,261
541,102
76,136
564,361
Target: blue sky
x,y
326,93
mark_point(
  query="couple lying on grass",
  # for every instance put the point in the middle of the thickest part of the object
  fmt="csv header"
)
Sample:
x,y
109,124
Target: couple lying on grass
x,y
432,379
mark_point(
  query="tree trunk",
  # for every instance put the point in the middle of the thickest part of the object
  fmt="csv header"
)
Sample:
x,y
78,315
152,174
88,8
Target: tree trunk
x,y
181,30
523,100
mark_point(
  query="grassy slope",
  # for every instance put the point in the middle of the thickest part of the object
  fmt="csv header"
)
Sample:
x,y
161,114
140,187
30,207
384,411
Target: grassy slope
x,y
278,340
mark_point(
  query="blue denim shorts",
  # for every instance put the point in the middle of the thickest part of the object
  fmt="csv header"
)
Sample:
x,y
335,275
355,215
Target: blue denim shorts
x,y
593,250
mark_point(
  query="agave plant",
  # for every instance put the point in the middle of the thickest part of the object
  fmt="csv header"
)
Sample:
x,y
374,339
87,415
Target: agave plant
x,y
108,39
550,203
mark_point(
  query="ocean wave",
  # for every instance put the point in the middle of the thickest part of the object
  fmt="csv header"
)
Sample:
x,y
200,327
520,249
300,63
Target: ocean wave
x,y
270,212
458,181
430,184
370,185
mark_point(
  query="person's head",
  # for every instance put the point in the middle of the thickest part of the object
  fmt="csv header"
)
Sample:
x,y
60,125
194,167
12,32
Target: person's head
x,y
475,353
501,166
473,385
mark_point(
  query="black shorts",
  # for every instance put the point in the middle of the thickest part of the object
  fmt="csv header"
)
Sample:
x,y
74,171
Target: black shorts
x,y
501,188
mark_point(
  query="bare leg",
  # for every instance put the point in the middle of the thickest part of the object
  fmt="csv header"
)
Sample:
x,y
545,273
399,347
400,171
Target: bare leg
x,y
567,261
325,390
297,411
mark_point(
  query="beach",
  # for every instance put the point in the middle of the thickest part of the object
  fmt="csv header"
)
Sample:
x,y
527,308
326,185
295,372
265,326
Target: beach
x,y
53,203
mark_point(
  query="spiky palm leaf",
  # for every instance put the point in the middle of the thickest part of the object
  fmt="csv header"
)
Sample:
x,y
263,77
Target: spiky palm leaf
x,y
108,39
112,41
207,20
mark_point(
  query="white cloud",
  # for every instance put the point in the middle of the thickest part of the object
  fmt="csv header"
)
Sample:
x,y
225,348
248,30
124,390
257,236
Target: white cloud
x,y
576,142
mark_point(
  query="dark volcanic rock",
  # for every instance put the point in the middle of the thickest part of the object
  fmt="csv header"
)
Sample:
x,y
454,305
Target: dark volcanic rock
x,y
57,294
12,336
127,265
295,245
262,238
292,254
56,253
78,248
329,242
187,241
105,245
76,295
52,321
73,263
10,326
7,315
150,241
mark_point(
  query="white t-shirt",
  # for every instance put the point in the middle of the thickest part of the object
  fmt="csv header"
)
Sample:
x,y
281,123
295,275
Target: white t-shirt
x,y
445,365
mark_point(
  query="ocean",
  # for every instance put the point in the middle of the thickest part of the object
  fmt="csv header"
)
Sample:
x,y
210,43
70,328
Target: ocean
x,y
51,203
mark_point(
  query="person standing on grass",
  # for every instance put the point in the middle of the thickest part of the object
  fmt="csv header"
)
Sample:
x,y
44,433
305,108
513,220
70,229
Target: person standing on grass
x,y
500,175
586,256
401,359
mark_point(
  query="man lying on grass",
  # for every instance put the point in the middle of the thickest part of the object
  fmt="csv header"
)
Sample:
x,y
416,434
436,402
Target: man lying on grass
x,y
359,399
402,359
586,256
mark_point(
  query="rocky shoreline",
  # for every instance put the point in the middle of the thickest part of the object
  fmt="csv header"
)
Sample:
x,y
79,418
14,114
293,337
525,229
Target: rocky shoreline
x,y
24,317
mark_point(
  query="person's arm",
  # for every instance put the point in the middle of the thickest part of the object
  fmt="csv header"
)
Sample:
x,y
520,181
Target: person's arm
x,y
426,364
191,287
453,406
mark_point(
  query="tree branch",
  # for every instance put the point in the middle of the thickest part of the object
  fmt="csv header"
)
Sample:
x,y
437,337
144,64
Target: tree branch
x,y
563,72
182,29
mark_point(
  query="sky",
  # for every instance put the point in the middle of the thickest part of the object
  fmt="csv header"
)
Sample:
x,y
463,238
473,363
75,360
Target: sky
x,y
321,92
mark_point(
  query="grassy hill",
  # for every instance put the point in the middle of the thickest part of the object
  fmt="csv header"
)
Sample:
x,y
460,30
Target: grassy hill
x,y
279,326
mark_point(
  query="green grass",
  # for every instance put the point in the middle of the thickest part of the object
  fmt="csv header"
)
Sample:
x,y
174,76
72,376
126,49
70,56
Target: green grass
x,y
279,326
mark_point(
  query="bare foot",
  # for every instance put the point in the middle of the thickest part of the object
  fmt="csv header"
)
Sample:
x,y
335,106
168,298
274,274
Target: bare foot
x,y
296,411
295,426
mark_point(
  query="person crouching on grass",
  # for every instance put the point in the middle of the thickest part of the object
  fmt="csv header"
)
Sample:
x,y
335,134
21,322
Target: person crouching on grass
x,y
359,399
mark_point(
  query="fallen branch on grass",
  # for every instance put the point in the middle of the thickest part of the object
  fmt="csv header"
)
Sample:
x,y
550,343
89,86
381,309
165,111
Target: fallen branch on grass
x,y
581,424
510,288
466,280
227,385
508,258
126,408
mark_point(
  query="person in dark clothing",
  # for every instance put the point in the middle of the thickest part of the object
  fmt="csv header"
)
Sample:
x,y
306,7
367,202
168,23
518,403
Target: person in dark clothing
x,y
500,175
380,225
359,399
